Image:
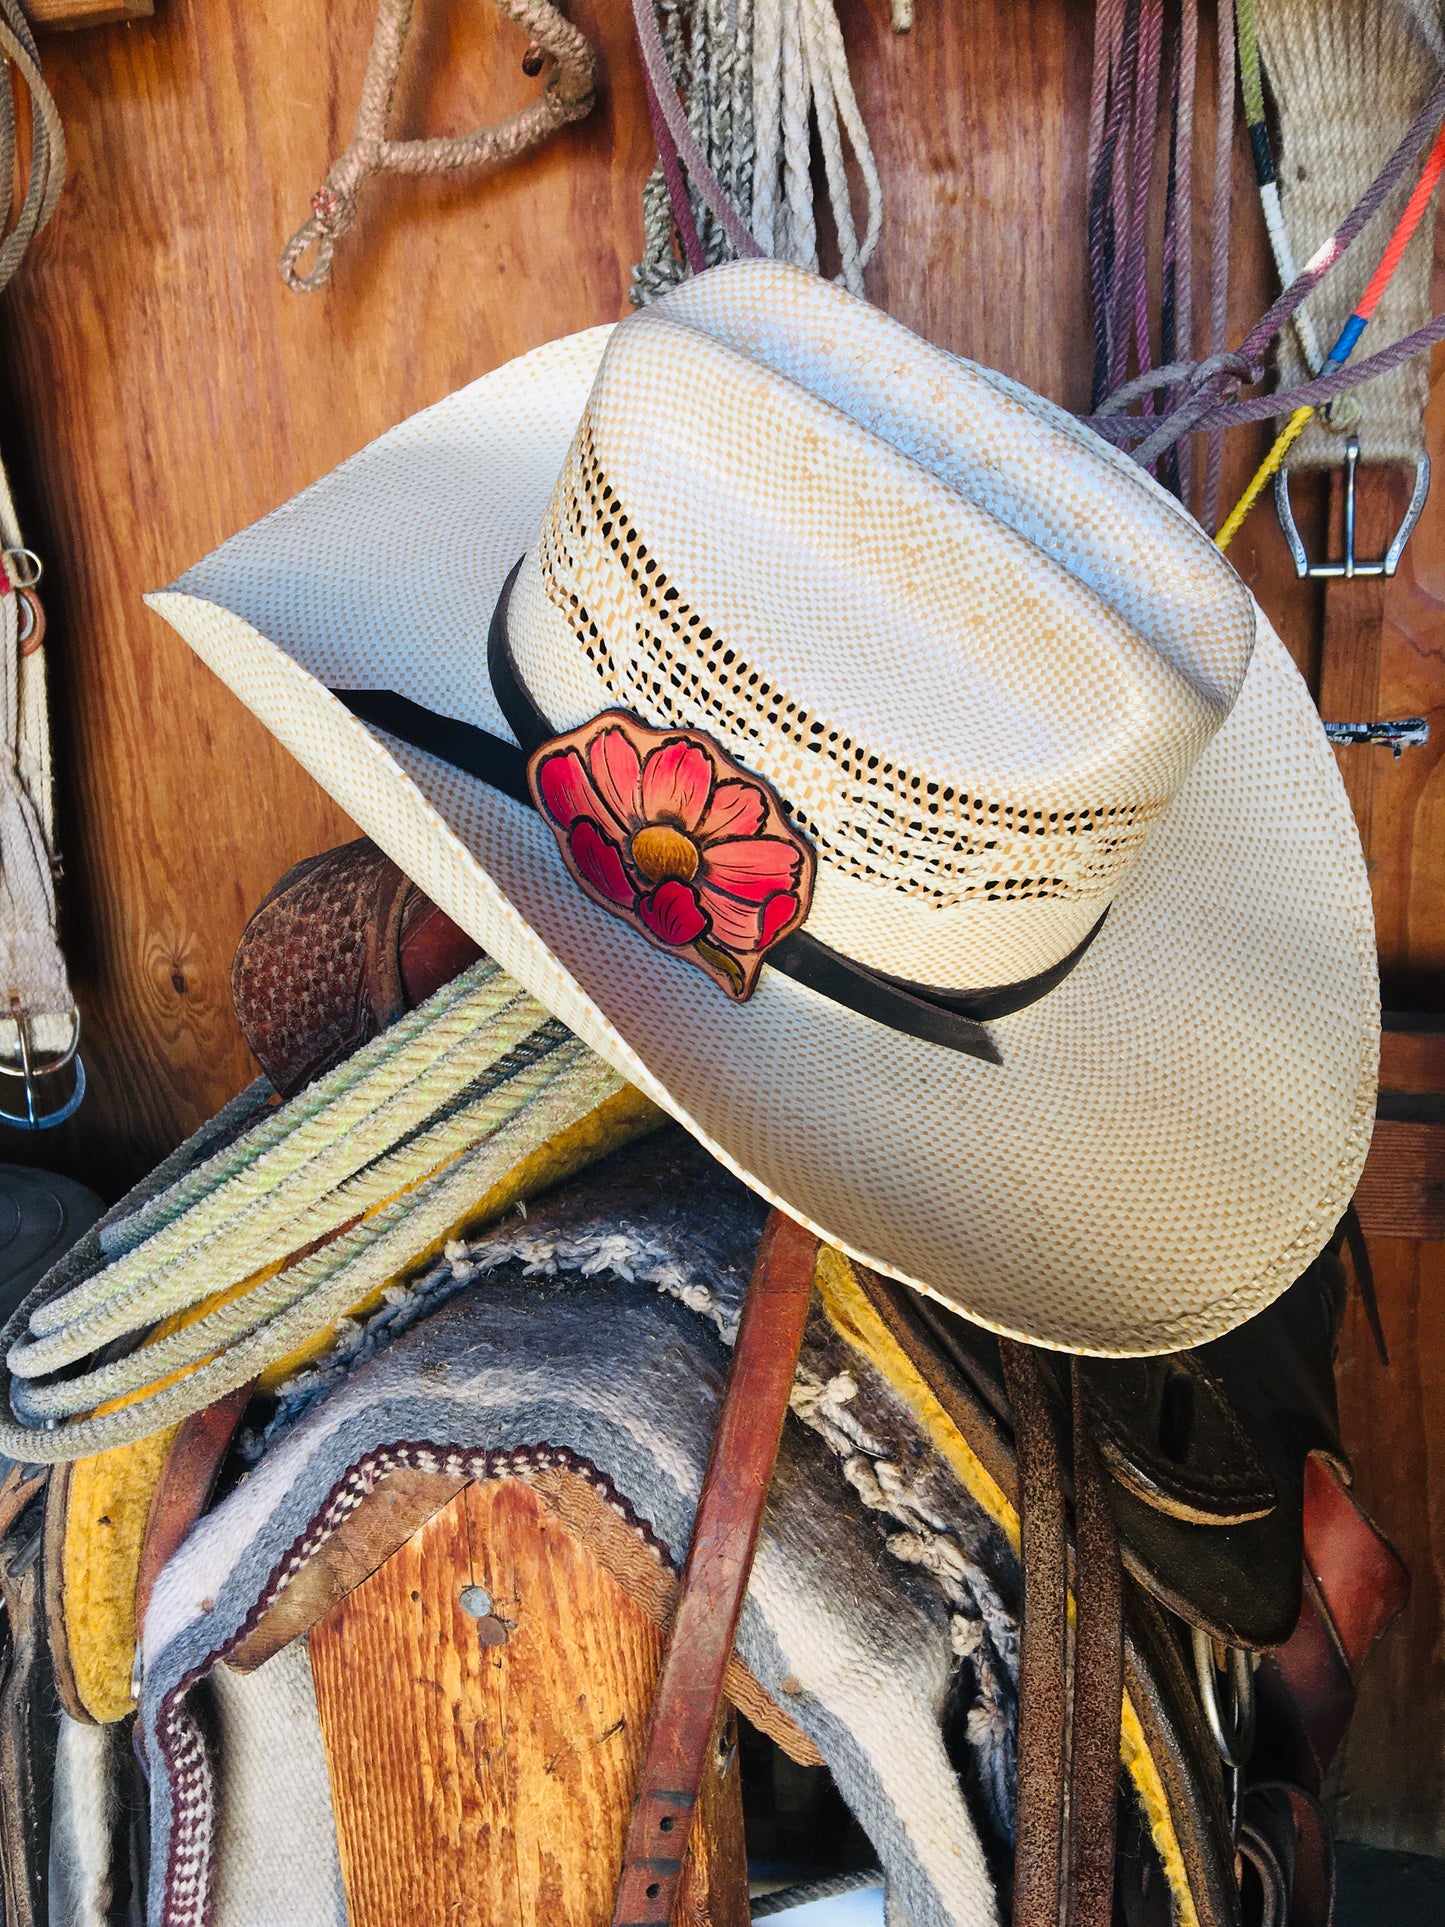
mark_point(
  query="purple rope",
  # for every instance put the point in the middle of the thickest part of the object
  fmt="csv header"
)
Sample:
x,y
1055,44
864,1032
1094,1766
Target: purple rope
x,y
1182,345
1146,121
665,96
1119,143
1122,429
676,186
1207,407
1219,243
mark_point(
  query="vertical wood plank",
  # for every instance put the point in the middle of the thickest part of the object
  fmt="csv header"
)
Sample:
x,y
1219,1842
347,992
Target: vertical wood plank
x,y
165,389
1389,1782
490,1785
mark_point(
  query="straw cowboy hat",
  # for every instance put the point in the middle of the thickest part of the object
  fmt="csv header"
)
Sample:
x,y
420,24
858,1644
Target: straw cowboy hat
x,y
880,771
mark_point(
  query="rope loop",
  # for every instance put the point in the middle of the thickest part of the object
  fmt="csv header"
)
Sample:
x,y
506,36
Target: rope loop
x,y
567,96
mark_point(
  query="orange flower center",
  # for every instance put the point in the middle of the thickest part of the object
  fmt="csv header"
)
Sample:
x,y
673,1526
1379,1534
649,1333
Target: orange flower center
x,y
660,851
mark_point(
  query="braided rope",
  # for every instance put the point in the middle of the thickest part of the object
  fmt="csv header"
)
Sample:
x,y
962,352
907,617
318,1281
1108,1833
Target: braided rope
x,y
126,1230
757,76
47,140
359,1197
568,96
399,1075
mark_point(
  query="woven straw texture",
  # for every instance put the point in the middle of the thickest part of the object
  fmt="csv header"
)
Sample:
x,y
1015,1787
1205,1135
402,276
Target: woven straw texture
x,y
976,740
1174,1131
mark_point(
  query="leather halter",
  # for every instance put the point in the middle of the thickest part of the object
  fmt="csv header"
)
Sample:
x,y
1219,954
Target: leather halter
x,y
953,1018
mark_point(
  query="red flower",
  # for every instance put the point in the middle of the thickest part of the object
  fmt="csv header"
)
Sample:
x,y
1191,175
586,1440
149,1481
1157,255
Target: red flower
x,y
668,828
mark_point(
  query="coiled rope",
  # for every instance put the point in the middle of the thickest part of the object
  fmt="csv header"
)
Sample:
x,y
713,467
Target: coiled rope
x,y
759,76
47,140
316,1206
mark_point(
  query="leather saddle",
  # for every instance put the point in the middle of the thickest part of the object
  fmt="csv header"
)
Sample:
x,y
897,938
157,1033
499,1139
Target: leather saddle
x,y
1225,1474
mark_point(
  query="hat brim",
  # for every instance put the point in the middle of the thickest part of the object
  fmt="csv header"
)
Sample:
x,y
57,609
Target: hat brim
x,y
1174,1131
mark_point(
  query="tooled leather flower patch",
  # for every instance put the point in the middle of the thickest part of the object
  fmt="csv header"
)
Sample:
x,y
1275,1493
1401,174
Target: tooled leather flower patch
x,y
664,829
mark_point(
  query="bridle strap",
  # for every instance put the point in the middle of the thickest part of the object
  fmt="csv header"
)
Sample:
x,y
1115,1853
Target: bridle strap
x,y
724,1540
1067,1806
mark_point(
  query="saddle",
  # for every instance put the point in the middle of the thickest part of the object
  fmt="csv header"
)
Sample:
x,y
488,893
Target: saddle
x,y
1190,1516
1225,1476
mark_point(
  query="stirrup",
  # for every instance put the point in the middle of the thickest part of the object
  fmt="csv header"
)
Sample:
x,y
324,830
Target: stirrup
x,y
33,1119
1350,567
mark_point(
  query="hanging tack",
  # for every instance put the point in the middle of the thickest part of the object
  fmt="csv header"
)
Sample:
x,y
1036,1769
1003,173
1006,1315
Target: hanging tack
x,y
532,61
902,16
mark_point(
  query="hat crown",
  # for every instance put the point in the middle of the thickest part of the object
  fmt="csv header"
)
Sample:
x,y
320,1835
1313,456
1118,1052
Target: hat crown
x,y
788,522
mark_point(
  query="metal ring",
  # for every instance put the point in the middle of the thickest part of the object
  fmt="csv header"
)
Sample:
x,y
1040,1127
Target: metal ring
x,y
25,1068
35,568
34,1119
26,614
1234,1737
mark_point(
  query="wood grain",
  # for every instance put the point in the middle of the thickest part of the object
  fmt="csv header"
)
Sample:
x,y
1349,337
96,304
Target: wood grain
x,y
489,1785
1402,1191
167,389
59,16
1389,1788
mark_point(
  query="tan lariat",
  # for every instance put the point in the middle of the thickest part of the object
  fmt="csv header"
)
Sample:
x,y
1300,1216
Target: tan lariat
x,y
567,96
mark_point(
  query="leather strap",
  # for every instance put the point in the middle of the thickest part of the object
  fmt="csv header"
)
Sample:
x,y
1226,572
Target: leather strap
x,y
1043,1658
184,1490
1098,1681
954,1019
1066,1824
715,1578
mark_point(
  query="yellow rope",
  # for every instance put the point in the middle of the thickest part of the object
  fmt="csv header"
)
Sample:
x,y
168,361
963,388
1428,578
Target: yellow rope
x,y
1264,475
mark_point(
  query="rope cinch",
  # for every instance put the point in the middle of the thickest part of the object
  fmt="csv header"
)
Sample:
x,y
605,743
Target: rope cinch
x,y
1204,395
568,96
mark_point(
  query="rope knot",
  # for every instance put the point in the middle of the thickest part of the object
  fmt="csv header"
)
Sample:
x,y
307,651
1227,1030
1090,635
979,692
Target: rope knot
x,y
1240,368
334,210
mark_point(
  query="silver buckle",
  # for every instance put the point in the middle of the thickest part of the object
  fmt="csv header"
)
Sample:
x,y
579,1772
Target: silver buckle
x,y
33,1118
1350,567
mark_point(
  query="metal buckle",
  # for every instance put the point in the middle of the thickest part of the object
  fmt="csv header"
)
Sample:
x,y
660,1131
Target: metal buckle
x,y
34,1119
1351,567
1235,1736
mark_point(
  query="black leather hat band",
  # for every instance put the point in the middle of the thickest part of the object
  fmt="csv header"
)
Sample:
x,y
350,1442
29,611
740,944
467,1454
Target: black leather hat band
x,y
954,1019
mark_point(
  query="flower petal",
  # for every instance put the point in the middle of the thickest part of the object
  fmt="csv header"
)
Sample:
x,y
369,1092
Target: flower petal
x,y
600,862
568,796
676,783
778,913
738,809
751,867
617,771
672,913
738,926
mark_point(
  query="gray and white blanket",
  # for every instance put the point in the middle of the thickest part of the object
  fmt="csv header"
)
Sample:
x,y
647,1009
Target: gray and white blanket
x,y
597,1326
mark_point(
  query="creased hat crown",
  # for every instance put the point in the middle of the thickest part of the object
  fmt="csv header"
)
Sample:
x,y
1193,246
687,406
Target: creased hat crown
x,y
974,650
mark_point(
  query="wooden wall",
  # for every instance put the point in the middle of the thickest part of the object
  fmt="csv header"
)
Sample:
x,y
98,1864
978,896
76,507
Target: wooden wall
x,y
164,389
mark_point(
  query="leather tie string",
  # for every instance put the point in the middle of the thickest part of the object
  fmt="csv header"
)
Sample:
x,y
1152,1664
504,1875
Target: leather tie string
x,y
1067,1805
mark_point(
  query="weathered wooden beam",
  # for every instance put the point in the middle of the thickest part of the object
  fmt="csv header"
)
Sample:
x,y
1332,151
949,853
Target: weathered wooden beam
x,y
60,16
484,1697
1402,1191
